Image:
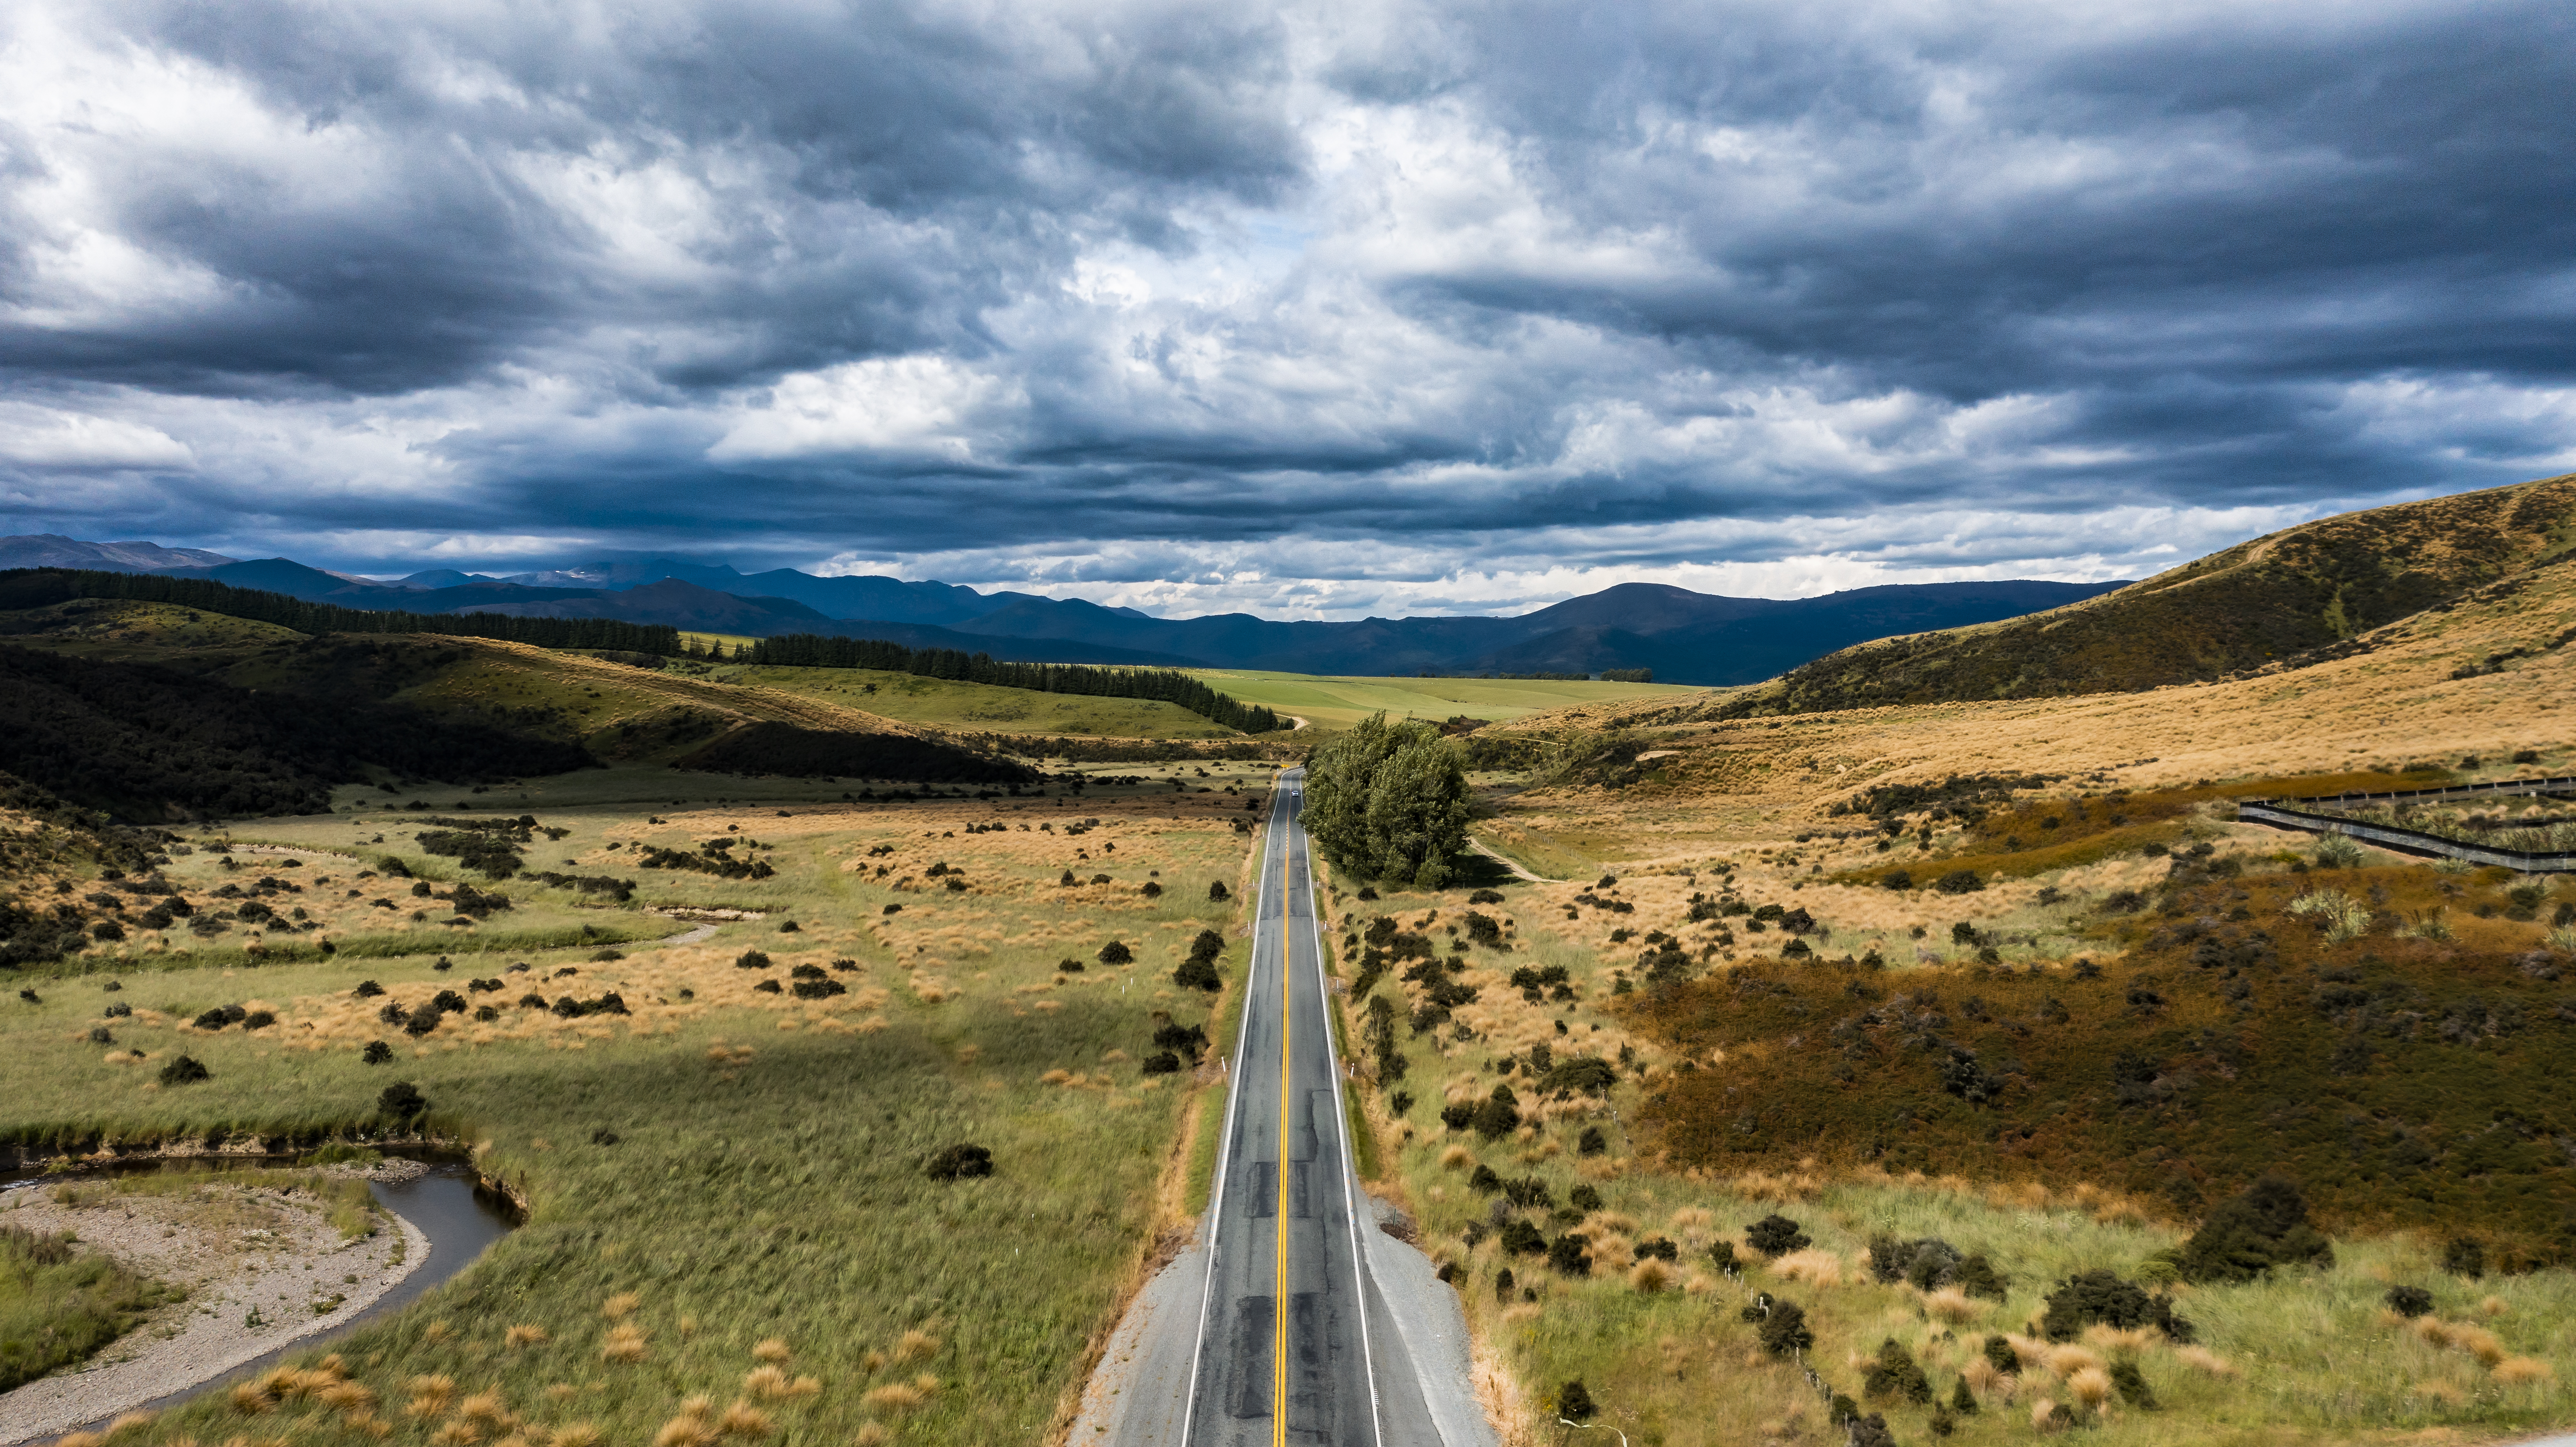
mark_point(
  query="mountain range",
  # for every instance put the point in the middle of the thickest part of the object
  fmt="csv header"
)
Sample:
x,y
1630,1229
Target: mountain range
x,y
1683,636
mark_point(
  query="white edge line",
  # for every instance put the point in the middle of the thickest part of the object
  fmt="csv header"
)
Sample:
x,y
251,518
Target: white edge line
x,y
1342,1123
1225,1143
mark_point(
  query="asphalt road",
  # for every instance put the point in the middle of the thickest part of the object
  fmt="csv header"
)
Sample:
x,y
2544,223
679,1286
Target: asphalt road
x,y
1292,1318
1283,1349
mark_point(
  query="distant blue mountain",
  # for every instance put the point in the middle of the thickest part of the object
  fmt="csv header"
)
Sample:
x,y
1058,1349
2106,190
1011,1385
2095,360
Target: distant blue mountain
x,y
1684,637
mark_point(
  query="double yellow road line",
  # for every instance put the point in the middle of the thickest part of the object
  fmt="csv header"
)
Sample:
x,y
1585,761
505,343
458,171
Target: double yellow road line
x,y
1279,1297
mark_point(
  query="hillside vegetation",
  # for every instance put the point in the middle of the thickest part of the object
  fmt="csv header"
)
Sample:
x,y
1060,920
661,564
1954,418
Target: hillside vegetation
x,y
2289,597
146,740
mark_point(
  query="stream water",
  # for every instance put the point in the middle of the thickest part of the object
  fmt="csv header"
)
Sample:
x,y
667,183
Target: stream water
x,y
461,1222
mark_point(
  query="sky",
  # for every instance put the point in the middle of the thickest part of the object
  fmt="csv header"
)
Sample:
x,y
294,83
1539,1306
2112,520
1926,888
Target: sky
x,y
1311,311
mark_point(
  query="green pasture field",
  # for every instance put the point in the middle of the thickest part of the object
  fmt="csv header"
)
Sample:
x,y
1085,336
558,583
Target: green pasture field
x,y
976,707
1333,703
747,1164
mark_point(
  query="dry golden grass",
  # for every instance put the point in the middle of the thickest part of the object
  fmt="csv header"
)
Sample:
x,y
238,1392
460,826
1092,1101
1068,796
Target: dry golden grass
x,y
2205,1361
915,1346
1650,1275
894,1397
2091,1386
2067,1362
2523,1371
1813,1266
1950,1304
2043,1415
485,1407
624,1344
620,1305
772,1350
576,1434
520,1336
745,1421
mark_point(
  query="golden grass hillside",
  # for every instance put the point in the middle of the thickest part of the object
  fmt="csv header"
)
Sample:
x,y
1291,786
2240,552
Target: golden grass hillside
x,y
2488,677
2279,596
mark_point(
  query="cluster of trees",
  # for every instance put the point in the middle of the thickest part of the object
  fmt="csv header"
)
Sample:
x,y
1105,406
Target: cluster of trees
x,y
140,740
809,650
1389,801
43,587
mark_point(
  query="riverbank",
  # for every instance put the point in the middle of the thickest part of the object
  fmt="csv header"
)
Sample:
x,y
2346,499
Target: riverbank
x,y
261,1271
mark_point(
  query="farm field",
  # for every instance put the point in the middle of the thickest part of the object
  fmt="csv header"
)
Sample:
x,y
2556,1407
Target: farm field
x,y
1338,703
972,707
739,1142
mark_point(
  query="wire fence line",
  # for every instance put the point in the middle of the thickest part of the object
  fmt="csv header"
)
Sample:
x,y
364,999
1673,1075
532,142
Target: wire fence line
x,y
2277,812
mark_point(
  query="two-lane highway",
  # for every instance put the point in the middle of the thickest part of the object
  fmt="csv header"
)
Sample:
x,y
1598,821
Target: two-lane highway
x,y
1283,1353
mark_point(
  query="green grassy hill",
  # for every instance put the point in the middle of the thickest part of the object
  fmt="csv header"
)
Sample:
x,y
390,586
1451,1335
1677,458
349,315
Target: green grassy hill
x,y
1333,703
2292,593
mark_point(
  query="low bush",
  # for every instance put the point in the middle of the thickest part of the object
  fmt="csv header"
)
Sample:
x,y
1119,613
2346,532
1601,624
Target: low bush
x,y
185,1070
1776,1235
2091,1297
959,1162
402,1100
1894,1373
2264,1226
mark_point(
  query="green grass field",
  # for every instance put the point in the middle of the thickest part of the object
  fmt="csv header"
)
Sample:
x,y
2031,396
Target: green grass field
x,y
1338,703
747,1164
977,707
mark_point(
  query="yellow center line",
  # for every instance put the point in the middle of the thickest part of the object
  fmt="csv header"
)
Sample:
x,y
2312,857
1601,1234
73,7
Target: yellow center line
x,y
1279,1340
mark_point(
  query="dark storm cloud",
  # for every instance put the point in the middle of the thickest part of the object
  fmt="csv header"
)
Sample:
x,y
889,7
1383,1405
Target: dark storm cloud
x,y
1136,287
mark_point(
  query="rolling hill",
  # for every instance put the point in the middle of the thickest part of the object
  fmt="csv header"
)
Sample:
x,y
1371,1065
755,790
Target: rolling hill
x,y
2293,597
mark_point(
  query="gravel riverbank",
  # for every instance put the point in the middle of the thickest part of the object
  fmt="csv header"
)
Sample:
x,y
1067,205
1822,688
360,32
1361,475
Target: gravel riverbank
x,y
259,1275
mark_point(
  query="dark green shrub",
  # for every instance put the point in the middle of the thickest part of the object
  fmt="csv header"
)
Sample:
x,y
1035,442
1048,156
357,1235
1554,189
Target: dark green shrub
x,y
2000,1356
1722,1256
185,1070
751,960
1871,1431
2409,1301
1068,966
1977,1277
2462,1256
258,1020
1784,1329
2246,1237
1592,1142
2101,1296
1573,1403
1520,1238
1485,896
2132,1385
402,1100
959,1162
1959,881
1896,1374
1162,1062
1963,1401
1197,973
1483,1181
376,1053
1897,879
1776,1235
1458,1114
1498,1115
1217,890
1503,1284
1401,1102
1566,1254
817,989
1584,1198
1660,1247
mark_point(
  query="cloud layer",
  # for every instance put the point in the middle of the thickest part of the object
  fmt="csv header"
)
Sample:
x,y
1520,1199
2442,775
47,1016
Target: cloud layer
x,y
1320,311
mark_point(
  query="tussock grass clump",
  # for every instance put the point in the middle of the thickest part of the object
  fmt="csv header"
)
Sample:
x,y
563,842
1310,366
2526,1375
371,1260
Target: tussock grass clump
x,y
624,1344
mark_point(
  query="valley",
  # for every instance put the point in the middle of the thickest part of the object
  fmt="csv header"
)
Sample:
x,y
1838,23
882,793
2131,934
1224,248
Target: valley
x,y
1947,1066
